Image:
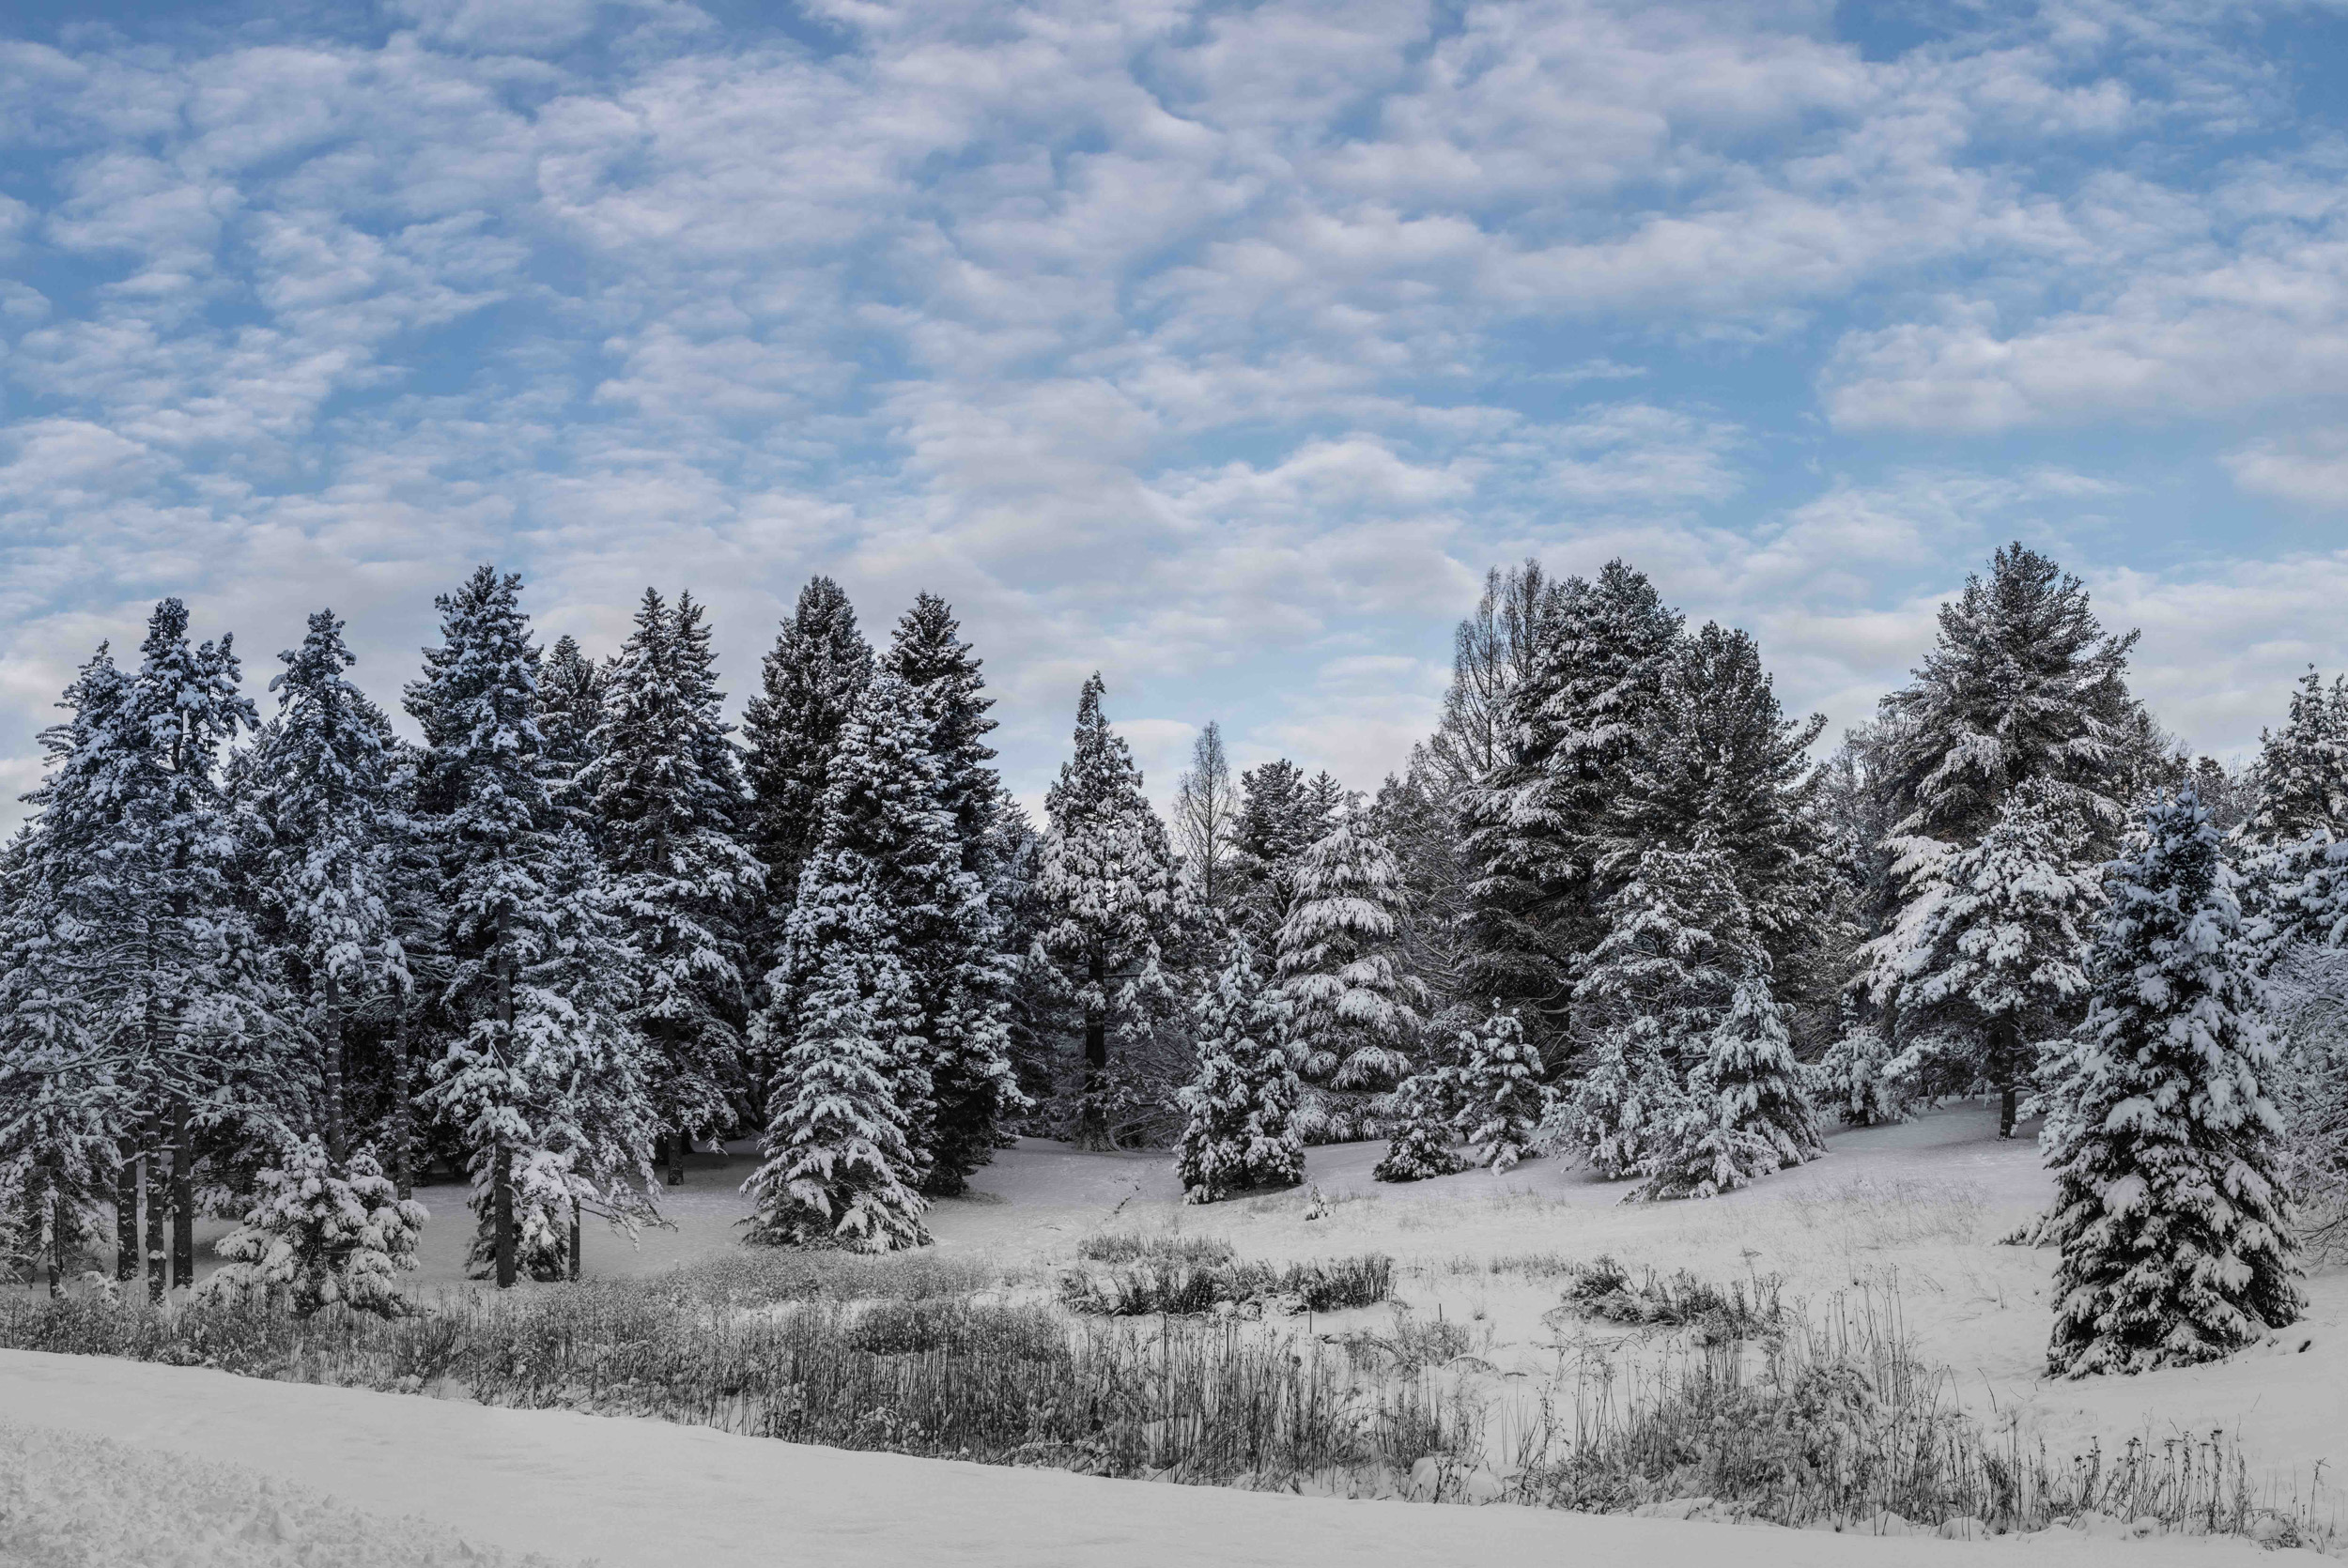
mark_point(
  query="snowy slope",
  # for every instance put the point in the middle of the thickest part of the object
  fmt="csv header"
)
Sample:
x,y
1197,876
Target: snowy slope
x,y
634,1494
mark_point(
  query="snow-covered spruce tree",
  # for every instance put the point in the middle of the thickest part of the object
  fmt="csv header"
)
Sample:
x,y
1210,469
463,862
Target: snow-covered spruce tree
x,y
1855,1081
571,691
1420,1116
1544,829
2174,1231
1720,762
2307,1006
58,1110
1746,1113
840,1166
1242,1108
1274,825
481,794
1355,1013
809,686
953,933
1986,960
1650,994
2300,780
1106,881
324,789
166,957
667,797
1503,1100
322,1232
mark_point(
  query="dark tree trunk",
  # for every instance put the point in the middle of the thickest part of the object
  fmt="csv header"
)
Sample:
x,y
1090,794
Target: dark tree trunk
x,y
127,1220
404,1104
2005,1061
157,1259
502,1167
679,1141
574,1238
1092,1126
60,1225
182,1198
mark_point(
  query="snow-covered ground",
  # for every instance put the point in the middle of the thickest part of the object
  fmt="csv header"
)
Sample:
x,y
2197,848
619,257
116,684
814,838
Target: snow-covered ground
x,y
631,1494
1908,1215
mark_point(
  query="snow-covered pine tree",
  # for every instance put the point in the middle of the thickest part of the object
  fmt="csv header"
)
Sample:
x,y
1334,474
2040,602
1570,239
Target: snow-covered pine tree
x,y
1650,994
58,1112
1274,825
1720,762
2299,784
1503,1100
667,797
1355,1013
322,1230
1242,1108
570,711
324,787
1542,829
1419,1117
840,1165
1854,1077
1986,962
809,686
1105,880
2175,1234
1747,1113
481,794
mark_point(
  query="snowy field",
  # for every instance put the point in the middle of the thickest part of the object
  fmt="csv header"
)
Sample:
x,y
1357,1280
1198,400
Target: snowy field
x,y
1905,1218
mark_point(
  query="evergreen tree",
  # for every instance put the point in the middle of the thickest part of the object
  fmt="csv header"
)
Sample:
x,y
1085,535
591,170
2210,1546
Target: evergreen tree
x,y
324,787
1273,828
1355,1011
1986,962
1650,995
839,1150
1419,1117
1241,1131
812,676
481,790
954,933
322,1232
1747,1113
2175,1234
1503,1102
2023,683
571,693
666,794
1546,829
1855,1078
2300,782
1105,880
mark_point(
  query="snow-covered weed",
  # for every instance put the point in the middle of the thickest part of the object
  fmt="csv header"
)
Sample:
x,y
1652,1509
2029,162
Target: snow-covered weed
x,y
1722,1315
1155,1283
1162,1246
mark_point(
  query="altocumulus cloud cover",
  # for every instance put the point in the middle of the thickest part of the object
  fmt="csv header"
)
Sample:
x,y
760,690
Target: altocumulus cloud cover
x,y
1220,347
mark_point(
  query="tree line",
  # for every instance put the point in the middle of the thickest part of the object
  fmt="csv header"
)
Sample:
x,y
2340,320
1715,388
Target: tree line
x,y
1615,908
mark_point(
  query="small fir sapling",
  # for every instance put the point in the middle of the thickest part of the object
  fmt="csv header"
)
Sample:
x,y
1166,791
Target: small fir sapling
x,y
1419,1115
2175,1233
1747,1113
1242,1108
318,1237
1503,1100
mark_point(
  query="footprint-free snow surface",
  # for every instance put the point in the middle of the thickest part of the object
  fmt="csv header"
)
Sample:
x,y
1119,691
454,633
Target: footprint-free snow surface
x,y
638,1494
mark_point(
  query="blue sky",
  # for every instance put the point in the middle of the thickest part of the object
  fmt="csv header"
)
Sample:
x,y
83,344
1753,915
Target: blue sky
x,y
1222,347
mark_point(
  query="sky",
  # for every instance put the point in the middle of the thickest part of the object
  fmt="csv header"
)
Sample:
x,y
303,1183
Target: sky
x,y
1219,347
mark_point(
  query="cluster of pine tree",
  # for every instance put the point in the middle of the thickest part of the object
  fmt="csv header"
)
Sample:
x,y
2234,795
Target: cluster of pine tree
x,y
1615,908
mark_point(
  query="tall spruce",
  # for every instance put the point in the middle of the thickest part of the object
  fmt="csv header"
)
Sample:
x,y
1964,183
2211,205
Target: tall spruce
x,y
953,932
482,792
1273,826
2175,1233
1105,880
1355,1011
809,686
2299,784
667,796
325,788
571,692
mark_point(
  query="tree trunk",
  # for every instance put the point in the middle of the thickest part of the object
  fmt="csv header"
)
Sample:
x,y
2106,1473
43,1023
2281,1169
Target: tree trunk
x,y
156,1257
182,1197
502,1167
127,1220
574,1238
404,1104
1092,1126
60,1219
679,1141
2005,1057
336,1133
